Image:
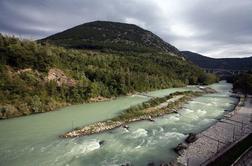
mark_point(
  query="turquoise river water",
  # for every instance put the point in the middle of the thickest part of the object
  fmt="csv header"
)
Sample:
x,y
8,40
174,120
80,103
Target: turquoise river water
x,y
34,141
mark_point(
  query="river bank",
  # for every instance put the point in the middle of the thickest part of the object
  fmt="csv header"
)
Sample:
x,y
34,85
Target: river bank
x,y
9,111
36,136
225,132
147,111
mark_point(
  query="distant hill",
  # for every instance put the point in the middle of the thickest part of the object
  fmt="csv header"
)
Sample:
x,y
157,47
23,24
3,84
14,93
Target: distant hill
x,y
222,63
111,35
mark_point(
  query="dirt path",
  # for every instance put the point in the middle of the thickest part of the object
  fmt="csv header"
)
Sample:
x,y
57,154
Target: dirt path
x,y
219,136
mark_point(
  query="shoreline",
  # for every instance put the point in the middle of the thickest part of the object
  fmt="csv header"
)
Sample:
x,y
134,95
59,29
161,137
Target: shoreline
x,y
89,101
95,100
170,104
218,136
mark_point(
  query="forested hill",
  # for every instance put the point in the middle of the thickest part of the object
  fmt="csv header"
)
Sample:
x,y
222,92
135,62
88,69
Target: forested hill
x,y
111,35
38,78
222,63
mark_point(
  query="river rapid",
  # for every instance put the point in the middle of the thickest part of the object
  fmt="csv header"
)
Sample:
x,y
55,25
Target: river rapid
x,y
34,141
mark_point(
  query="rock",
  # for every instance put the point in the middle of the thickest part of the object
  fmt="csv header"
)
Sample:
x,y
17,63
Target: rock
x,y
164,164
101,142
150,119
191,138
180,148
207,89
151,164
60,77
126,127
174,111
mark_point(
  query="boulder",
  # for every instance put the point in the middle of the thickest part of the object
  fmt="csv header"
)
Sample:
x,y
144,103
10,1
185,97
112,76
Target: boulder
x,y
192,137
180,148
126,127
164,164
174,111
151,164
150,119
101,142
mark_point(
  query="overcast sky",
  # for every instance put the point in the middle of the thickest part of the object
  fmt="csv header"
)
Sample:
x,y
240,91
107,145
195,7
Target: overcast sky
x,y
215,28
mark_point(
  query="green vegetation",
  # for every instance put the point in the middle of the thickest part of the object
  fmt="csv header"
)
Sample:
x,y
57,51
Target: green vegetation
x,y
243,83
26,86
145,111
107,36
140,109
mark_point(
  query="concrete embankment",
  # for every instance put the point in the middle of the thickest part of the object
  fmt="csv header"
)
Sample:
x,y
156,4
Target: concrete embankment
x,y
220,136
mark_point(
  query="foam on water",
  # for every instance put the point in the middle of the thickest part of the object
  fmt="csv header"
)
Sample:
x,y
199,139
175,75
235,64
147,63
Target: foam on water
x,y
207,121
187,127
140,145
85,147
208,104
187,111
174,118
194,117
176,135
214,103
139,133
196,102
142,96
161,129
169,136
201,112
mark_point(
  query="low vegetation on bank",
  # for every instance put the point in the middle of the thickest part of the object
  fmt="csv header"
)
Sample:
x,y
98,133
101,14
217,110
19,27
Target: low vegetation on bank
x,y
243,83
37,78
155,107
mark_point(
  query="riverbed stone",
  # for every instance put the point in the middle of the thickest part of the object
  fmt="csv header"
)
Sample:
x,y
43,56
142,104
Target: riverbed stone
x,y
180,148
126,127
192,137
101,142
151,164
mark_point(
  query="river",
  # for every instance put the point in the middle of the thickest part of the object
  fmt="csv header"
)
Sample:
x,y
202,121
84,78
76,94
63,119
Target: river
x,y
33,140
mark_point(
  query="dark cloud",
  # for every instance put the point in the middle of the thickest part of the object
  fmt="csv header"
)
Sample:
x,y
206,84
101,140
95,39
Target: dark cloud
x,y
211,27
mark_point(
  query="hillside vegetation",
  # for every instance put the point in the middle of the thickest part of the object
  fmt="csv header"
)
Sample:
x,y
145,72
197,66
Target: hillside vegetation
x,y
38,78
243,83
106,35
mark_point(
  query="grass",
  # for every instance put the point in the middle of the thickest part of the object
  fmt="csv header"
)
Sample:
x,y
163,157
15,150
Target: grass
x,y
137,113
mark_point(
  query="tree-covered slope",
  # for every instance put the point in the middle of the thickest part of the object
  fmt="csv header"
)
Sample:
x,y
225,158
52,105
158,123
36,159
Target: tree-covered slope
x,y
243,83
222,63
38,78
111,35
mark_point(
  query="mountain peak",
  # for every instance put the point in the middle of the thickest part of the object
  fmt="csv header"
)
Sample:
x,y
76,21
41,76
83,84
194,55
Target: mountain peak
x,y
111,35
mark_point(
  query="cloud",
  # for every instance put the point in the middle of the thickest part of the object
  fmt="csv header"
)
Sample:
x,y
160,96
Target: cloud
x,y
212,27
